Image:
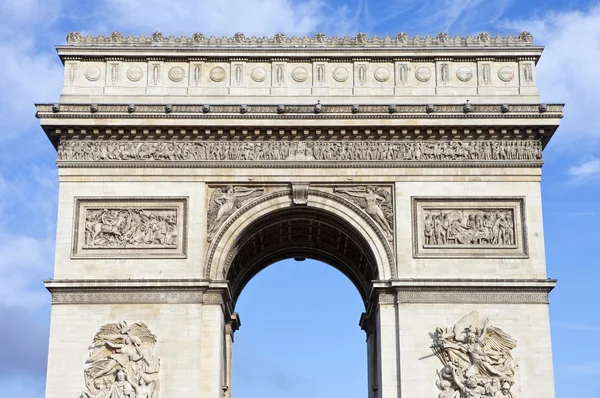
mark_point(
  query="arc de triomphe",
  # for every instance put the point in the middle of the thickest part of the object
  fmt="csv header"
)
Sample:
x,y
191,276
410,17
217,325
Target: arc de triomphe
x,y
189,164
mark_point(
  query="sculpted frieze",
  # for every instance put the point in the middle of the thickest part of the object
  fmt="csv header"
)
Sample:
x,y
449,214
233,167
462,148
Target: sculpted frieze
x,y
136,227
122,363
477,359
106,227
89,150
494,227
465,227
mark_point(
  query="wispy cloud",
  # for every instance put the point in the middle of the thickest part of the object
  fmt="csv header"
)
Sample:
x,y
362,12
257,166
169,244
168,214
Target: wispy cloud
x,y
224,17
576,326
567,71
586,170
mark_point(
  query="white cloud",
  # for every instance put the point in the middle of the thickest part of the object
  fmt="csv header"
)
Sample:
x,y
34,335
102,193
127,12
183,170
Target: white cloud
x,y
258,17
567,71
24,263
586,170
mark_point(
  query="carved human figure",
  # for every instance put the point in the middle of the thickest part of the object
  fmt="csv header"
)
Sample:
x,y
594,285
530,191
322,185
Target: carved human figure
x,y
446,387
470,387
226,201
142,389
428,230
372,206
121,388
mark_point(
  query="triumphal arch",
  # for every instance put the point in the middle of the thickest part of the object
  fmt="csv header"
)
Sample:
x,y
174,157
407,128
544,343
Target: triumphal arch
x,y
189,164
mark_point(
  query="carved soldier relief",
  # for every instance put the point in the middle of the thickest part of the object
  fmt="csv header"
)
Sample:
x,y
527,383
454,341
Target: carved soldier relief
x,y
224,202
122,363
126,227
300,151
463,227
477,359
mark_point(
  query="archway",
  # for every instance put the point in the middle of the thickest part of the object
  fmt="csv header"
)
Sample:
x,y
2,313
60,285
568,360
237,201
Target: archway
x,y
328,229
301,233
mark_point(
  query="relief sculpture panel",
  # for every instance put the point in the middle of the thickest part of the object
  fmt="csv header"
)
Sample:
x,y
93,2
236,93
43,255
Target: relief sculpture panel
x,y
89,150
463,227
224,202
477,359
127,227
122,363
376,202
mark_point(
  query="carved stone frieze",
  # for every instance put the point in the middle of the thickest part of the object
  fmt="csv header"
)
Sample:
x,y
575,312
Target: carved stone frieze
x,y
477,359
127,296
465,227
122,362
320,40
148,227
481,151
130,227
376,201
224,201
455,227
480,295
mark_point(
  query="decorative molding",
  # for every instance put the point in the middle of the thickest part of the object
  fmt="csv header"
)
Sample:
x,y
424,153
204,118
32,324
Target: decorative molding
x,y
300,194
483,39
296,111
478,295
469,227
304,151
115,295
123,227
213,297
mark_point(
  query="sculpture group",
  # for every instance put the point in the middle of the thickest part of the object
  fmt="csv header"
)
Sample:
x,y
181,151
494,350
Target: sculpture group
x,y
130,227
122,363
477,360
469,227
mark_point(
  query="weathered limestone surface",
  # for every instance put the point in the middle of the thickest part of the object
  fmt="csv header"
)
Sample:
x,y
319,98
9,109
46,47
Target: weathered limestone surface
x,y
412,165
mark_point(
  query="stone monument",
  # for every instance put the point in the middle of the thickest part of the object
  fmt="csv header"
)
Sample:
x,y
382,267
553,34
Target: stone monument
x,y
189,164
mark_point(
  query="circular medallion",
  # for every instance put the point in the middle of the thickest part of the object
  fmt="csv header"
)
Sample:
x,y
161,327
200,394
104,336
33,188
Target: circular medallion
x,y
381,74
92,73
176,74
217,74
423,74
464,73
300,74
135,73
258,74
506,73
340,74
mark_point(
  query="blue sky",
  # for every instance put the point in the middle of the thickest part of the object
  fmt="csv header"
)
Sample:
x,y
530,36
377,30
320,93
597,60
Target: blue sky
x,y
323,350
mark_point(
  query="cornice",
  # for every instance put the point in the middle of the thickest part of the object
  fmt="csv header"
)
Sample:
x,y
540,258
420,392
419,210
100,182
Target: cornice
x,y
292,111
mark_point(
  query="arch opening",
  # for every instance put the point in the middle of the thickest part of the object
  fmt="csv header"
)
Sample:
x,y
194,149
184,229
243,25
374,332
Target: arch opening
x,y
301,233
304,343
